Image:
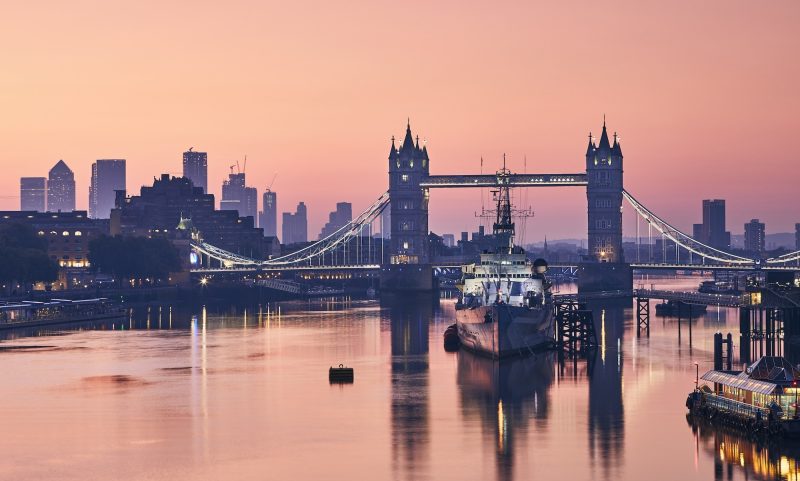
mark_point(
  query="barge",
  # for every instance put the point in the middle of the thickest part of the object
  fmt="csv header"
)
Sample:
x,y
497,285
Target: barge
x,y
760,400
58,311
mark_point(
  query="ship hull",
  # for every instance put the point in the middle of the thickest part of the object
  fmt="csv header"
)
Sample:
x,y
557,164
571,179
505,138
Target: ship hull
x,y
512,331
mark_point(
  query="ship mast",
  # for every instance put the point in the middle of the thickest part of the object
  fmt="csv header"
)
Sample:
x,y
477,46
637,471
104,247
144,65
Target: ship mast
x,y
503,228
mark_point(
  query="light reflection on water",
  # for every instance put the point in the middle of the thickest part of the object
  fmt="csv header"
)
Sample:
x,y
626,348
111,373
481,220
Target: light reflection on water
x,y
241,392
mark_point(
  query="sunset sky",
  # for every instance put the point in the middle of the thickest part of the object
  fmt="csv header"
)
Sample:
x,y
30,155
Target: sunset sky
x,y
705,96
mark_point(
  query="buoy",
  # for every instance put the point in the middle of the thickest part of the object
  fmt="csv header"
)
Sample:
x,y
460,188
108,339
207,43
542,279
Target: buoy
x,y
340,374
451,341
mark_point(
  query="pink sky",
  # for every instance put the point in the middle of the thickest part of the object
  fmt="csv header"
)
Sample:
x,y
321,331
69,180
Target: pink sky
x,y
704,95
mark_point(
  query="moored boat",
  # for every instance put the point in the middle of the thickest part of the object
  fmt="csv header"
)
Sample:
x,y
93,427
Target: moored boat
x,y
505,307
762,399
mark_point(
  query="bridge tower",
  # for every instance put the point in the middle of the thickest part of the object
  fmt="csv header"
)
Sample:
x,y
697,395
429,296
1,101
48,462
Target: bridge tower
x,y
605,267
409,267
604,196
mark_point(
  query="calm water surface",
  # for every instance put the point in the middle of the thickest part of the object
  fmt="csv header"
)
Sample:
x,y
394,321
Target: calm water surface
x,y
237,392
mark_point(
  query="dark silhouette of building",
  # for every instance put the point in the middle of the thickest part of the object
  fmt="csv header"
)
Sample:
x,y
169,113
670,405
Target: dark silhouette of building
x,y
295,226
604,197
61,188
754,236
195,168
159,209
797,236
409,206
237,196
108,176
337,219
712,231
268,220
32,193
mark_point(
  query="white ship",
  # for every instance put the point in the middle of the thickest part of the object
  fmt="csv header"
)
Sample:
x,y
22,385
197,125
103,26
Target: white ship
x,y
505,307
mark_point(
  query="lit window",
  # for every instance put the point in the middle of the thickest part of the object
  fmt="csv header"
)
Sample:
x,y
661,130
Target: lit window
x,y
41,232
77,232
65,233
411,163
404,177
405,245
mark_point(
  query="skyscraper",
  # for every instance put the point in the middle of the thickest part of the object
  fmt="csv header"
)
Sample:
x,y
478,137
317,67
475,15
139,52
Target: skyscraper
x,y
60,188
195,168
754,236
712,231
237,196
337,219
32,193
295,226
268,220
797,236
108,176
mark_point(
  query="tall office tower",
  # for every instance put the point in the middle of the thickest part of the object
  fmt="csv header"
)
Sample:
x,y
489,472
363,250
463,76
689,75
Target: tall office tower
x,y
108,176
797,236
60,188
32,193
712,231
295,226
195,168
268,220
337,219
754,236
237,196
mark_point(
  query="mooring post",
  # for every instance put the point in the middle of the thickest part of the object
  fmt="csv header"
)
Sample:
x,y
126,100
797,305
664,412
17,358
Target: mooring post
x,y
744,336
718,351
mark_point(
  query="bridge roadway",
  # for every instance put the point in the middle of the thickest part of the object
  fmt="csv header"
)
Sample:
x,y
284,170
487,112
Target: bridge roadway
x,y
564,268
512,180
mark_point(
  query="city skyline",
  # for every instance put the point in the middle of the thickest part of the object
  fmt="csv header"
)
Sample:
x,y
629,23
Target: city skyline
x,y
474,102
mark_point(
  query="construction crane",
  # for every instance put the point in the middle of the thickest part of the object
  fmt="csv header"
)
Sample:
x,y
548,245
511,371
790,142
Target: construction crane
x,y
269,187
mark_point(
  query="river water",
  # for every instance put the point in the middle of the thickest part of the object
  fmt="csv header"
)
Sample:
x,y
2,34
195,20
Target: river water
x,y
241,392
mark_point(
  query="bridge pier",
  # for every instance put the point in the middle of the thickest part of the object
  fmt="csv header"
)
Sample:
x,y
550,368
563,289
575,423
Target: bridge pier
x,y
604,276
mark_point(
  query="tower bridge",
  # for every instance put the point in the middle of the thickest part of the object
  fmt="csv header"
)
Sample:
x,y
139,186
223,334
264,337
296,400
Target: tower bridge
x,y
408,265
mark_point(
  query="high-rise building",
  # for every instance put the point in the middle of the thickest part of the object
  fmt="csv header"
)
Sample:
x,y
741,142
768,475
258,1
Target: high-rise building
x,y
195,168
337,219
797,236
295,226
712,231
60,188
449,240
754,236
108,176
268,220
32,193
237,196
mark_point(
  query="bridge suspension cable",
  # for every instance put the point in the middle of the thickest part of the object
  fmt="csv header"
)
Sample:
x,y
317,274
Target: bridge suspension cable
x,y
790,257
316,251
684,240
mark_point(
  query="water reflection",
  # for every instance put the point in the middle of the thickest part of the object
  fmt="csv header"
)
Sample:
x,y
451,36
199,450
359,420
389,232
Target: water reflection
x,y
505,396
410,319
606,410
733,452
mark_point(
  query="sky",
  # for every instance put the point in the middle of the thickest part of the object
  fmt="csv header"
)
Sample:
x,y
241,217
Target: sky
x,y
703,94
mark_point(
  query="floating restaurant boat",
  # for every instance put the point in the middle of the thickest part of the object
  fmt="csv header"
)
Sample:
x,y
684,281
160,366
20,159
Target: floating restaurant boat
x,y
505,307
58,311
762,399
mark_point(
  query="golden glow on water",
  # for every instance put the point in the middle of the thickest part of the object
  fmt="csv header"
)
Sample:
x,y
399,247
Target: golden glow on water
x,y
603,335
501,427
